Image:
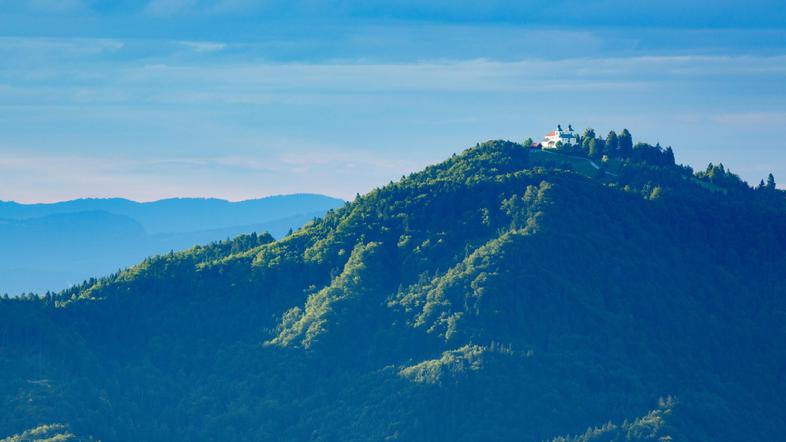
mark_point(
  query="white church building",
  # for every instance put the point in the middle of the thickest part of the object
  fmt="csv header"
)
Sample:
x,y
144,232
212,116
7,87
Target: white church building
x,y
560,135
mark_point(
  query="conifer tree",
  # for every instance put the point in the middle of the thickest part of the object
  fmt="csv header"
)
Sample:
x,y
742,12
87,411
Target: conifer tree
x,y
593,148
589,135
670,156
625,144
611,144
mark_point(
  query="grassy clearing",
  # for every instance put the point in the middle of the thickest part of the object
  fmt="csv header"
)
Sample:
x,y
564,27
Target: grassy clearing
x,y
585,166
581,165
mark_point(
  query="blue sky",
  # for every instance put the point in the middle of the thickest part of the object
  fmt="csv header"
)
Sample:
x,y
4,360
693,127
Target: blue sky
x,y
241,99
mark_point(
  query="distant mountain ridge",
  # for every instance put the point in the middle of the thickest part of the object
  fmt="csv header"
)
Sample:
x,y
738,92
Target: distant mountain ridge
x,y
60,244
182,214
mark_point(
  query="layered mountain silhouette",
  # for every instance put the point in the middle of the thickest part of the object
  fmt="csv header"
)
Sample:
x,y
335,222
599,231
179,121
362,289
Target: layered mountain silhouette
x,y
501,295
58,245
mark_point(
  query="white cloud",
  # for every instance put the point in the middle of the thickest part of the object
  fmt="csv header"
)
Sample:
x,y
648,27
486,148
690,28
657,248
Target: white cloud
x,y
59,47
210,121
203,46
265,82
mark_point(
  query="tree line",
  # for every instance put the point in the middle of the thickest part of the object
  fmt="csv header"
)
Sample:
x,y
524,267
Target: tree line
x,y
618,146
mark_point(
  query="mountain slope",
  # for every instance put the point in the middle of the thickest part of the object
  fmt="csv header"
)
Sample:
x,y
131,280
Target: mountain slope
x,y
490,297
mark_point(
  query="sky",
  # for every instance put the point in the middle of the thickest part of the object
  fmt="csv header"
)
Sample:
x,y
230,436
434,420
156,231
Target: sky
x,y
241,99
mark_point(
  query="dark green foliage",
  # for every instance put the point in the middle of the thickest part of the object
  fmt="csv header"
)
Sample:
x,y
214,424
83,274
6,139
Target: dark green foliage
x,y
654,155
594,148
488,297
669,157
612,145
653,426
723,178
620,148
589,134
625,148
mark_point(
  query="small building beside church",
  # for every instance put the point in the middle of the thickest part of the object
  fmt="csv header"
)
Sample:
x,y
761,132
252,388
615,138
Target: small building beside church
x,y
560,135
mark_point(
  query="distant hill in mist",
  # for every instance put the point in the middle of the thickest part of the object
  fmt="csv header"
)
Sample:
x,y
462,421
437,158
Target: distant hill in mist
x,y
60,244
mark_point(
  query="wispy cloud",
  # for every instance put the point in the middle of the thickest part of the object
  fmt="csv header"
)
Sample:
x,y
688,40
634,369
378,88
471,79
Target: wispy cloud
x,y
203,46
751,119
149,119
191,81
231,177
25,46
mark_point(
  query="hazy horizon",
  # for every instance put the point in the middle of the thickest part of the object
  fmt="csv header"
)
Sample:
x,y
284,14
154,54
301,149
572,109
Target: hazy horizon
x,y
233,100
27,203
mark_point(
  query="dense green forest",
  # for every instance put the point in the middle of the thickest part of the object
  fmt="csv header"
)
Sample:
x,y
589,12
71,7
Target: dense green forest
x,y
503,294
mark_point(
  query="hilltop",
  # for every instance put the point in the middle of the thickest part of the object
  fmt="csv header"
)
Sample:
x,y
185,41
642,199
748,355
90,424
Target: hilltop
x,y
499,295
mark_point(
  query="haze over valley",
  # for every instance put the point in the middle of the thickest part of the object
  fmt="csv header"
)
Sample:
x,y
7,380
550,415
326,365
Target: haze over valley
x,y
50,247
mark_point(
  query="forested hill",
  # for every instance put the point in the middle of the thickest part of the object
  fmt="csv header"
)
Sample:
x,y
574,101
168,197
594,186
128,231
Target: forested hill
x,y
500,295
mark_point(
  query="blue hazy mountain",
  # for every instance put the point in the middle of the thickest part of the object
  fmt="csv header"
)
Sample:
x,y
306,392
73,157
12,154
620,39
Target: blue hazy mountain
x,y
183,214
57,245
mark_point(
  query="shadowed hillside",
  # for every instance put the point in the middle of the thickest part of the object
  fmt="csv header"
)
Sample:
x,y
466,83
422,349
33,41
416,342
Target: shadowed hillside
x,y
495,296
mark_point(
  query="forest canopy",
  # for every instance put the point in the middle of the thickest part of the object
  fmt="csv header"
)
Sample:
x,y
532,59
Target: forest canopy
x,y
503,294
